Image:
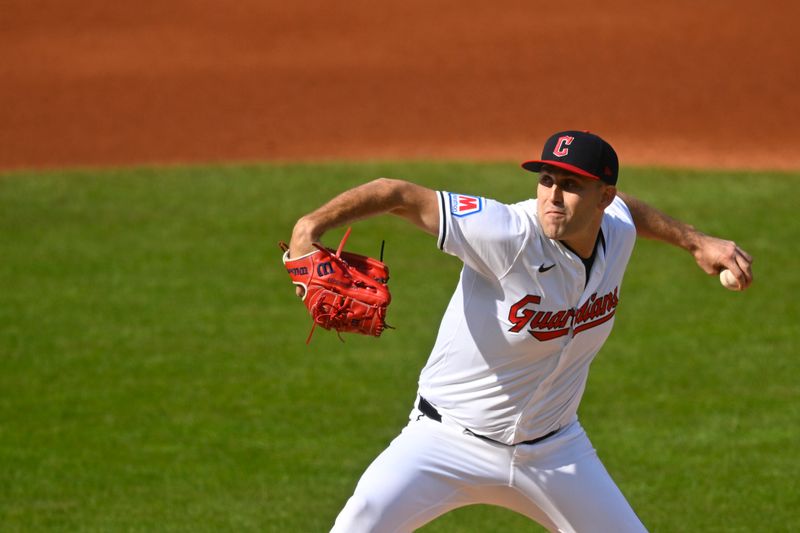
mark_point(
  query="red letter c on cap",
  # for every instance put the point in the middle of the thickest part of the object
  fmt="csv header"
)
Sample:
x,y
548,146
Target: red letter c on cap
x,y
559,150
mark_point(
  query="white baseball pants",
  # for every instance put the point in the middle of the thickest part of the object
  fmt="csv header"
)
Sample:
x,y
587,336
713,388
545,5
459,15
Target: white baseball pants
x,y
433,467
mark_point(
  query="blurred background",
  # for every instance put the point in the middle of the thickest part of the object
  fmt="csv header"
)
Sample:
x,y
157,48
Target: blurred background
x,y
711,83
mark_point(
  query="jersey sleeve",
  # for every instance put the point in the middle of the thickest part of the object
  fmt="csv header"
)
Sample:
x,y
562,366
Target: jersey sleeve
x,y
618,211
485,234
619,226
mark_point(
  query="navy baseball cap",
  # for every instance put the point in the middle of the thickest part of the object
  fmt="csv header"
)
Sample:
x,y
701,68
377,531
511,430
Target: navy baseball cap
x,y
579,152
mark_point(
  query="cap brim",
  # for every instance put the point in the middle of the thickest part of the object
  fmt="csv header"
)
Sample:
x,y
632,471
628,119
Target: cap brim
x,y
536,166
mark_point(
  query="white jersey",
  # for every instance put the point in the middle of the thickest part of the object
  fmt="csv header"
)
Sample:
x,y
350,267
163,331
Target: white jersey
x,y
514,347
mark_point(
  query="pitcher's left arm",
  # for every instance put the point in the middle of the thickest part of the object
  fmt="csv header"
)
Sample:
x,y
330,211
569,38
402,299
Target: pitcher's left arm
x,y
712,254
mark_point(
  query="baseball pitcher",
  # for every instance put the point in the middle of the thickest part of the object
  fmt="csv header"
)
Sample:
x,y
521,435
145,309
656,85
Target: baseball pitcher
x,y
495,419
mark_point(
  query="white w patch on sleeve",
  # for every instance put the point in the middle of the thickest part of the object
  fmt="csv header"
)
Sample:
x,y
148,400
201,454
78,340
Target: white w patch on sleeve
x,y
462,205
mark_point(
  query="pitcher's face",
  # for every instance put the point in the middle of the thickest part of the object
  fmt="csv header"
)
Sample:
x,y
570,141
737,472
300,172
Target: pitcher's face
x,y
570,207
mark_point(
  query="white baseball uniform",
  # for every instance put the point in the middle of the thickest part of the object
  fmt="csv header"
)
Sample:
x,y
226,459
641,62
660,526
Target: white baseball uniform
x,y
509,365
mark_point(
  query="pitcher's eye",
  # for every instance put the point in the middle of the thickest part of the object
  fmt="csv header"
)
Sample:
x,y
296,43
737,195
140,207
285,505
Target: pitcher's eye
x,y
546,181
569,185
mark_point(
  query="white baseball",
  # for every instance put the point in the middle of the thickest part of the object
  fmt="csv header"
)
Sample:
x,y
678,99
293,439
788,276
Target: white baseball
x,y
728,280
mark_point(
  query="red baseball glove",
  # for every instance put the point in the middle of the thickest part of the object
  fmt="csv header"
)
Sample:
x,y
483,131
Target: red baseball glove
x,y
343,291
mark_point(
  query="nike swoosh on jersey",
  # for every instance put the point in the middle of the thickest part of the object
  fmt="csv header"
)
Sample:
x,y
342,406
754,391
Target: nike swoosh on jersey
x,y
543,268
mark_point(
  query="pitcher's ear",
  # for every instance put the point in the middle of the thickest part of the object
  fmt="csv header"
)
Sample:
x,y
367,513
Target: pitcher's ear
x,y
609,193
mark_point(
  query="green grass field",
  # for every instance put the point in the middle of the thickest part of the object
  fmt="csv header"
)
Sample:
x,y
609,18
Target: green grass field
x,y
154,376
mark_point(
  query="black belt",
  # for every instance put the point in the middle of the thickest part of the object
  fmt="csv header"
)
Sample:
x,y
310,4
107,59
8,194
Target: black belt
x,y
430,411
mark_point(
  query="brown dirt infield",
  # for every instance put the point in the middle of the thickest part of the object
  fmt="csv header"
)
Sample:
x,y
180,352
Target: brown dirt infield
x,y
691,83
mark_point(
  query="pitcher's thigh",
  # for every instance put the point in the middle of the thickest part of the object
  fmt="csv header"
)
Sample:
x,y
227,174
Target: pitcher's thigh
x,y
580,495
421,475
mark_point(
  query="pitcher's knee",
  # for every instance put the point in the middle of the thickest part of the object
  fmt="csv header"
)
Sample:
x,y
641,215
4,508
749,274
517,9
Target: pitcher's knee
x,y
360,515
